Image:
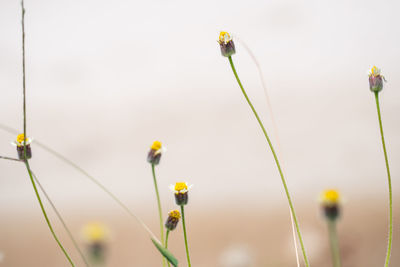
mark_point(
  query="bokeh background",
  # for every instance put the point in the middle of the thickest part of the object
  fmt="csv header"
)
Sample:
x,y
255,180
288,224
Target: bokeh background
x,y
107,78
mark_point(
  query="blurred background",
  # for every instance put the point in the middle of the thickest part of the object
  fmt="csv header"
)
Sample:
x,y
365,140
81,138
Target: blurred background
x,y
107,78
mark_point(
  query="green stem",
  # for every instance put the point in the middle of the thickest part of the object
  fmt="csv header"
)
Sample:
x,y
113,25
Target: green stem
x,y
276,161
389,248
166,243
45,214
25,136
159,208
334,243
185,235
61,219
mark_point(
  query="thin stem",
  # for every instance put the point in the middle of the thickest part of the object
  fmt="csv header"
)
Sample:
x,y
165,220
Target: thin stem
x,y
45,214
276,161
159,209
166,243
334,243
25,136
389,248
23,73
185,235
14,159
61,219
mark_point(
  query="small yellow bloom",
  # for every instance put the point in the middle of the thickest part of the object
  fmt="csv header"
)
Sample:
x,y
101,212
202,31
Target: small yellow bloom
x,y
21,138
172,220
174,214
224,37
330,197
157,145
95,232
375,71
180,186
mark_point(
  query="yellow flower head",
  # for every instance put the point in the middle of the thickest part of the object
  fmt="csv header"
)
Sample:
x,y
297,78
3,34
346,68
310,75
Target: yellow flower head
x,y
330,197
224,37
95,232
174,214
180,187
157,145
375,71
21,139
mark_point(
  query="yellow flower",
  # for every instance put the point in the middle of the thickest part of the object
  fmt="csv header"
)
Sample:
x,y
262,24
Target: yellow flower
x,y
156,145
95,232
375,71
172,220
21,139
224,37
174,214
226,44
330,197
180,187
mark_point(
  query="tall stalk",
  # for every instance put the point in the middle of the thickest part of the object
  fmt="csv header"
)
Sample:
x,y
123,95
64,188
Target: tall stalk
x,y
159,209
334,243
389,247
276,161
185,235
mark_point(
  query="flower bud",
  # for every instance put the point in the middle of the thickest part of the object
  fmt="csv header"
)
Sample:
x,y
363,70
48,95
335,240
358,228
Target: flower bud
x,y
181,190
375,79
330,202
155,153
21,143
226,43
172,220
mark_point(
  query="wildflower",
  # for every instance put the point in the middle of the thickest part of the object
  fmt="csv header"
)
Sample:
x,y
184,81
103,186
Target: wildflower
x,y
226,43
19,143
172,220
181,190
330,201
155,152
96,235
375,79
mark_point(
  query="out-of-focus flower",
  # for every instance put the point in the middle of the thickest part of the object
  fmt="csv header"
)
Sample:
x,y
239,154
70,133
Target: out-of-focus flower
x,y
19,143
96,235
156,150
172,220
330,202
226,43
95,232
376,79
181,190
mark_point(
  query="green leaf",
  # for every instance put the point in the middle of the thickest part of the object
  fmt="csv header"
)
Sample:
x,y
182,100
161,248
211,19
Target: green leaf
x,y
165,252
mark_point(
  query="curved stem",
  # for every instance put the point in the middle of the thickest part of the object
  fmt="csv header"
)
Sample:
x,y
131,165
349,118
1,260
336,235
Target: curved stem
x,y
45,214
159,209
389,248
185,235
334,243
61,220
276,161
166,243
